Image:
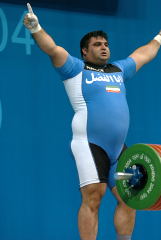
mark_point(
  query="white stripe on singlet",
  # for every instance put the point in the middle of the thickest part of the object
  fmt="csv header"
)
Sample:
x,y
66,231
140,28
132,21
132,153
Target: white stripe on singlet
x,y
80,147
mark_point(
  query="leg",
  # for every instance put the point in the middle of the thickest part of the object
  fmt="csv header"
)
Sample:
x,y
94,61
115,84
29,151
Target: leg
x,y
93,168
88,213
124,218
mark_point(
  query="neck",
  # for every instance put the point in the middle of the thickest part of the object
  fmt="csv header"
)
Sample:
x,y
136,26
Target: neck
x,y
96,65
99,62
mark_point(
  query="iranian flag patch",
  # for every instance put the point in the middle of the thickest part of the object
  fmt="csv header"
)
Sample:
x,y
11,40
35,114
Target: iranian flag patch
x,y
114,89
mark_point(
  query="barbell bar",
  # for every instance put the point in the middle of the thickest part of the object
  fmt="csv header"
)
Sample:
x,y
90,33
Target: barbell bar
x,y
123,176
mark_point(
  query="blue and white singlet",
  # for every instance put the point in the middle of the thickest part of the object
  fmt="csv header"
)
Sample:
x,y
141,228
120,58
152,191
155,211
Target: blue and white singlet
x,y
101,119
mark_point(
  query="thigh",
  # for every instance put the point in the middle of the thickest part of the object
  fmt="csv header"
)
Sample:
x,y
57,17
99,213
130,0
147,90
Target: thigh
x,y
92,162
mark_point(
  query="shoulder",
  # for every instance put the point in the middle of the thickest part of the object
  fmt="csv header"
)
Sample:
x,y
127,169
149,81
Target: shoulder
x,y
125,63
127,66
71,67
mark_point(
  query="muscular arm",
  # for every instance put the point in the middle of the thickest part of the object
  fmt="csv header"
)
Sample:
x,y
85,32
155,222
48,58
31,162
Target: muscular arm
x,y
145,53
57,54
47,44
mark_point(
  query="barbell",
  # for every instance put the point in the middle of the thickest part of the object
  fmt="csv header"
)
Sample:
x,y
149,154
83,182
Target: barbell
x,y
138,176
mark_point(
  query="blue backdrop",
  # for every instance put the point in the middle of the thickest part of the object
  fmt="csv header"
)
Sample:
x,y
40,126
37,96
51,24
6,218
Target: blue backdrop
x,y
39,195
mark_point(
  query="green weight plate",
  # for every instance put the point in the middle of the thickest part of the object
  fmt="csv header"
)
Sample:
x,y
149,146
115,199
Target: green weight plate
x,y
150,160
156,206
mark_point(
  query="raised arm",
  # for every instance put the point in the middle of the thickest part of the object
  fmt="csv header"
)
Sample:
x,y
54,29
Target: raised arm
x,y
147,52
57,54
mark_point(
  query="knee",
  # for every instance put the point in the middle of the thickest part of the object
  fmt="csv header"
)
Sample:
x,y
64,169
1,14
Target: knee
x,y
92,197
122,205
126,209
93,202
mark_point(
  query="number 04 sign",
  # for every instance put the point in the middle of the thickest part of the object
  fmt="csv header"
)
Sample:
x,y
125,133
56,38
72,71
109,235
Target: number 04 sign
x,y
26,40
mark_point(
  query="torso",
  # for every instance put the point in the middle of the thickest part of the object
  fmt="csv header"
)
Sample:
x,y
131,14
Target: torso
x,y
101,111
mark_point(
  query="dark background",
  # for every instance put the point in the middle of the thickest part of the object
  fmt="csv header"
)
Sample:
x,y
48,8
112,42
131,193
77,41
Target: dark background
x,y
100,7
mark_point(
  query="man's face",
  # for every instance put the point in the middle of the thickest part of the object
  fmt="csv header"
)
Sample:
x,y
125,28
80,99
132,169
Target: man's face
x,y
98,51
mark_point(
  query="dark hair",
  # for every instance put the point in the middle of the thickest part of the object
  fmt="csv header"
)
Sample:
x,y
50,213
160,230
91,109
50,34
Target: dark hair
x,y
85,40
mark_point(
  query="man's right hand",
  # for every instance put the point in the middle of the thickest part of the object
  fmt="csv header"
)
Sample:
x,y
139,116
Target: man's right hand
x,y
46,43
31,21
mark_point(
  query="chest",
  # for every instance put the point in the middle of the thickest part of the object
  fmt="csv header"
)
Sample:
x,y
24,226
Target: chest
x,y
95,82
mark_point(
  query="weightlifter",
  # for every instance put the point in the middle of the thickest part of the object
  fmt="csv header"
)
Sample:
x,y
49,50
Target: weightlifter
x,y
97,93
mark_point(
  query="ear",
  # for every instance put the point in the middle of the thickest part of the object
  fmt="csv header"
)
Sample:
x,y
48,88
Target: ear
x,y
84,50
